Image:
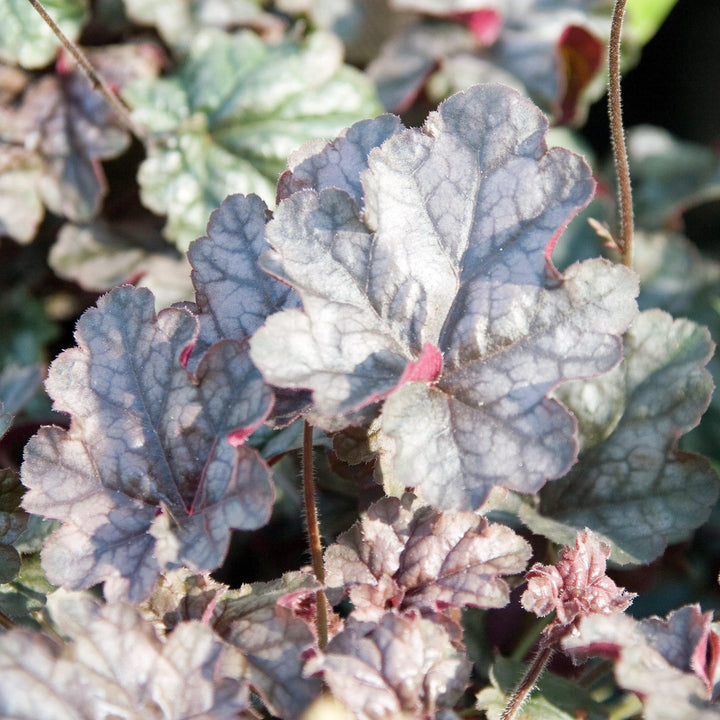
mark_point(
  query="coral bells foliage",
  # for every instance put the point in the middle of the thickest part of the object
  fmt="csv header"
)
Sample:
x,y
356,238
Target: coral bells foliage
x,y
574,588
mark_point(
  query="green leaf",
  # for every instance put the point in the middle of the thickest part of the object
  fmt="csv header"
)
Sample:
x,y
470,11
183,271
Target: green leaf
x,y
228,119
26,39
644,17
179,21
555,698
631,485
26,594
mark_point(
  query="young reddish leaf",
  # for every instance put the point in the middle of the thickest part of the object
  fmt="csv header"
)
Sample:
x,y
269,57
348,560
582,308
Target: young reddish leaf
x,y
662,660
450,254
114,665
146,477
576,587
404,555
399,665
259,621
632,485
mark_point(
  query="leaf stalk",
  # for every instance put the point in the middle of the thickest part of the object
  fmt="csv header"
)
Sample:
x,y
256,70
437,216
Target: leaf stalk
x,y
527,684
96,80
313,530
622,169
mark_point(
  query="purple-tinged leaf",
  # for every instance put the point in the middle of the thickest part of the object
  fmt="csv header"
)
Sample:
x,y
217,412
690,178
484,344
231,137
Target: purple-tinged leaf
x,y
114,665
403,555
449,261
632,485
233,295
67,128
259,621
663,661
399,665
153,471
319,165
576,587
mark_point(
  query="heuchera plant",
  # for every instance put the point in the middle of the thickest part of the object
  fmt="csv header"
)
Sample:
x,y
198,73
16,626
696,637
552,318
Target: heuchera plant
x,y
390,305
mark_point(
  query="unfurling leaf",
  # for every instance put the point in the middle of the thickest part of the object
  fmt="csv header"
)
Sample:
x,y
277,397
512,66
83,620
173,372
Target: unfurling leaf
x,y
153,472
434,290
576,587
114,665
404,555
396,667
632,485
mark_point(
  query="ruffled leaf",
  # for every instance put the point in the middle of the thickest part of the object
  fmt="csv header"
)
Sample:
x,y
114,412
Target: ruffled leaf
x,y
440,297
401,664
403,555
575,587
233,295
259,621
662,660
61,129
114,664
632,485
153,471
228,119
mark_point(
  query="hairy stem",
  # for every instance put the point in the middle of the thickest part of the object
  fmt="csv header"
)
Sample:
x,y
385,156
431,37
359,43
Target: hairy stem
x,y
6,622
527,684
622,169
96,80
313,530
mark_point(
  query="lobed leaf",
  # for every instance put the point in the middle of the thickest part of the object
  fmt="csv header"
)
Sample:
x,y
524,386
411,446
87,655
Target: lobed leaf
x,y
25,37
90,676
59,132
632,485
404,555
98,256
397,665
259,621
153,471
233,295
664,661
228,119
440,297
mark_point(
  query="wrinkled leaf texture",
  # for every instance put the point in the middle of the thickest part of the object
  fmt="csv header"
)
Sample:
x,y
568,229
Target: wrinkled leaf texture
x,y
428,282
114,665
669,662
399,664
227,120
632,485
153,472
404,555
